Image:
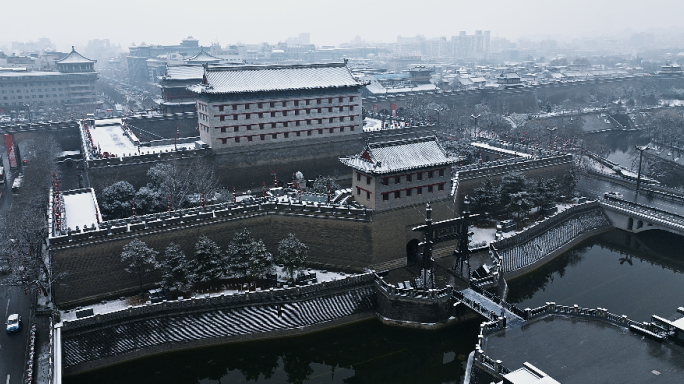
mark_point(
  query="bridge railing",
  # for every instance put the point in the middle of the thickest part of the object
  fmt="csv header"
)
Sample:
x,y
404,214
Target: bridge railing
x,y
658,328
665,218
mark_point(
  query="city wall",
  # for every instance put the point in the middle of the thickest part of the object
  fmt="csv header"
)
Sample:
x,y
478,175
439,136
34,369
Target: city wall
x,y
342,238
545,240
104,339
470,177
525,100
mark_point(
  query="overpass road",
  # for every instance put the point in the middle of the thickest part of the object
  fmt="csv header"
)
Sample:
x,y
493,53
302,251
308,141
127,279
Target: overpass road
x,y
595,188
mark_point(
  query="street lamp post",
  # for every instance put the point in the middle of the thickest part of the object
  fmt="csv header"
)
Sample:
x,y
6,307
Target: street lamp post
x,y
438,110
475,118
551,130
641,150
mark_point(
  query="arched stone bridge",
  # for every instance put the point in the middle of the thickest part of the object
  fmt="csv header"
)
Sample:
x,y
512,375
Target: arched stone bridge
x,y
635,218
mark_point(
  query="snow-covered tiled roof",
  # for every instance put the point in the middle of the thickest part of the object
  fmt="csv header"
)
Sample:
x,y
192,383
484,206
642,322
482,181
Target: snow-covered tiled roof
x,y
400,155
264,78
74,58
203,57
184,72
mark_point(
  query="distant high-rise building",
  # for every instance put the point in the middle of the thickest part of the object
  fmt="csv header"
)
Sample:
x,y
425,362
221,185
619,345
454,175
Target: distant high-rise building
x,y
475,46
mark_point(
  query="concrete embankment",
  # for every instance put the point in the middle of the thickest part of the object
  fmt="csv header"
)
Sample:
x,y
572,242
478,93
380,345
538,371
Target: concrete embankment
x,y
547,239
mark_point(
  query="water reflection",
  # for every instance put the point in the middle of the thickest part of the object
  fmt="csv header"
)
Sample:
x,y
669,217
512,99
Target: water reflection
x,y
366,352
636,275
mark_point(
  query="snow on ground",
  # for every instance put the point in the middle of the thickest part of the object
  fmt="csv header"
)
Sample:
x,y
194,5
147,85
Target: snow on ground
x,y
80,209
481,235
112,139
497,149
121,304
109,136
372,125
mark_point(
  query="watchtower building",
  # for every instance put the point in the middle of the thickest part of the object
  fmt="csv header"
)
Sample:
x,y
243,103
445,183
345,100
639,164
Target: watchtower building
x,y
256,105
401,173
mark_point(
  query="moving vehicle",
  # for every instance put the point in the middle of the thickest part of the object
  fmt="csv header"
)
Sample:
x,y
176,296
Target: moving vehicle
x,y
2,175
18,182
613,195
13,323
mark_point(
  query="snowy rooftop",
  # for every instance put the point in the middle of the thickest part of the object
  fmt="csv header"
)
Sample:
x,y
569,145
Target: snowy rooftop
x,y
184,72
80,209
400,155
501,150
74,58
110,136
203,57
264,78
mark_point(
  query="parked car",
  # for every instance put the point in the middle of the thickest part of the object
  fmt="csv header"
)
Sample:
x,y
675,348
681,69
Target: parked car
x,y
13,323
613,195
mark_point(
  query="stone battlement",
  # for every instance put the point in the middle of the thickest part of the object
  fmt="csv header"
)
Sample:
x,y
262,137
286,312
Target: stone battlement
x,y
217,213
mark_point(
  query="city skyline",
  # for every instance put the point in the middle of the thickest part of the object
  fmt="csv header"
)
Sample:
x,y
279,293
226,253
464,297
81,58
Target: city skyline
x,y
127,22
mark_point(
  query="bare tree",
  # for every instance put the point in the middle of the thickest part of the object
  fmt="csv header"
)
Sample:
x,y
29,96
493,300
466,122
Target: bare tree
x,y
23,227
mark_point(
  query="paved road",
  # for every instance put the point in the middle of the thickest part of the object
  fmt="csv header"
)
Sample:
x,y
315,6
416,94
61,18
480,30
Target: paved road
x,y
595,188
13,346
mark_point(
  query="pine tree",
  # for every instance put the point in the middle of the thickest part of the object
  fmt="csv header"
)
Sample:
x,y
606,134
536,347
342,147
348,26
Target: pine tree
x,y
519,203
248,257
486,197
139,259
237,255
176,269
511,183
545,191
292,253
208,263
261,260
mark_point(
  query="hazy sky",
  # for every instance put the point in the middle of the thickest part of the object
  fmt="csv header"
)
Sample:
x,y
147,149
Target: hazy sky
x,y
74,22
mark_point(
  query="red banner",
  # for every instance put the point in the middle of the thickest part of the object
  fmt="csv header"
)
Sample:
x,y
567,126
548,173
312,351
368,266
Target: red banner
x,y
394,109
9,144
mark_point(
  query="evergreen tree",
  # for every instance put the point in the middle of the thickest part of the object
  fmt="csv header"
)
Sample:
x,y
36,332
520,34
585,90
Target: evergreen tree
x,y
569,182
208,263
511,183
292,253
139,259
176,269
519,203
115,200
248,257
545,191
148,200
261,260
486,197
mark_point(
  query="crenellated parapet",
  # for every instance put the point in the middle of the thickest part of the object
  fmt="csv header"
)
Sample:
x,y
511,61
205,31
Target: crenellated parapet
x,y
211,214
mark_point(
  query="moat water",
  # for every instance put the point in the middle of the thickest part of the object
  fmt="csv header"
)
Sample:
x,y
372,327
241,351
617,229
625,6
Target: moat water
x,y
636,275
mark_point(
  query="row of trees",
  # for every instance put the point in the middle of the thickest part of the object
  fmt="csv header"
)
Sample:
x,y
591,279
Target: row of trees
x,y
171,183
178,185
23,224
518,196
244,256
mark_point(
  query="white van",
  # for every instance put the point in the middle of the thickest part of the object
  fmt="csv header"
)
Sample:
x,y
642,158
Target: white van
x,y
2,175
